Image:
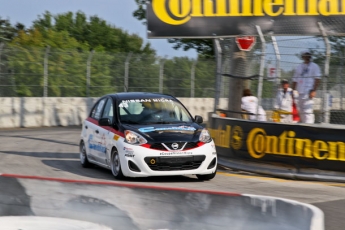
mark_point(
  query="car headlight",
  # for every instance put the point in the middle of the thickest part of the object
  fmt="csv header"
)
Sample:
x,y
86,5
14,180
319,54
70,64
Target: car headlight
x,y
205,136
134,138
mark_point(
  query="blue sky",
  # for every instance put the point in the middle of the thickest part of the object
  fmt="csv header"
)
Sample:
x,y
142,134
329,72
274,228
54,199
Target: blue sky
x,y
115,12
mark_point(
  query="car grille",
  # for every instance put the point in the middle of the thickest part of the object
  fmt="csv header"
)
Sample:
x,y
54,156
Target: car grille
x,y
160,146
174,163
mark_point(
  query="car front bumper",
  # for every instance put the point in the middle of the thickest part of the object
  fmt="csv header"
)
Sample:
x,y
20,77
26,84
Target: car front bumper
x,y
138,161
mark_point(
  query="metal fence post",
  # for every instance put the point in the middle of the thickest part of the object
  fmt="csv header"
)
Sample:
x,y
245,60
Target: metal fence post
x,y
218,54
88,73
325,107
262,66
161,75
192,79
127,71
341,82
1,47
45,74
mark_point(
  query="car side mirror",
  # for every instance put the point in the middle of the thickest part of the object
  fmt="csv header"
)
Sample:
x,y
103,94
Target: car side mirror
x,y
104,122
198,119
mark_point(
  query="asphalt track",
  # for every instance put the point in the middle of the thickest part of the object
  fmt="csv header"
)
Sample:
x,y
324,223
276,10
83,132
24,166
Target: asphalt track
x,y
53,152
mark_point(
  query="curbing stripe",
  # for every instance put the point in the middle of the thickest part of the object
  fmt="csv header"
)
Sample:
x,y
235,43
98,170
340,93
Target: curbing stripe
x,y
120,184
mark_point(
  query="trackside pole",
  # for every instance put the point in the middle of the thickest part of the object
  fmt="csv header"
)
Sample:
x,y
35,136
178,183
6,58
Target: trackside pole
x,y
127,71
1,47
325,107
161,74
88,73
262,66
218,54
192,79
278,59
45,72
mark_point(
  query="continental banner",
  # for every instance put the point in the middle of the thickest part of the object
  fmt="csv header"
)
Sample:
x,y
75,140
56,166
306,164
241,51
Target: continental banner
x,y
210,18
296,145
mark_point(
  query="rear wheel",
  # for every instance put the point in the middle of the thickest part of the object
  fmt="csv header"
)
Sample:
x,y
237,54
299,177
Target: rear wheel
x,y
83,156
116,165
207,176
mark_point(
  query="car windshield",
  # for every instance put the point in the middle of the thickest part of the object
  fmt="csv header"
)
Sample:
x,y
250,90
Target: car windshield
x,y
152,111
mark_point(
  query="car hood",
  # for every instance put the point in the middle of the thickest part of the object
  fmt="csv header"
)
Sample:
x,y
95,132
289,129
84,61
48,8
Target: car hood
x,y
168,132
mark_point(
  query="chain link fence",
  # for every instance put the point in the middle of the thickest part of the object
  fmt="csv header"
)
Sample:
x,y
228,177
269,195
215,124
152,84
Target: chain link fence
x,y
37,72
280,63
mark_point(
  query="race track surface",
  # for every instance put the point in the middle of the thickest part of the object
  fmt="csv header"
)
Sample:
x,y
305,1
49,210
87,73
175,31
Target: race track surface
x,y
53,152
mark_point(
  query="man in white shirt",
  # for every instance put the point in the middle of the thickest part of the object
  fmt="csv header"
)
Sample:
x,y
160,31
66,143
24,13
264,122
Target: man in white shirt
x,y
250,103
307,77
284,101
307,114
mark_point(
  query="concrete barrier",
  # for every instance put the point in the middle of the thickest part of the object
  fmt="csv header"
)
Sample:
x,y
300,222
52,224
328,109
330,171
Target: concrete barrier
x,y
65,111
134,206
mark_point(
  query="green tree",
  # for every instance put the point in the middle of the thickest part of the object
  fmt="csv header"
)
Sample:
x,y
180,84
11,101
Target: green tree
x,y
27,62
203,46
100,35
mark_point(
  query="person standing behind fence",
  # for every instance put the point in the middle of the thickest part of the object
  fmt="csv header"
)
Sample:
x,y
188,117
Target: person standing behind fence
x,y
250,103
307,77
284,101
307,108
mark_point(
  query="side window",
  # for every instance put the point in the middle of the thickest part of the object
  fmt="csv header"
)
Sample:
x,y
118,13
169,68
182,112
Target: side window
x,y
108,111
97,110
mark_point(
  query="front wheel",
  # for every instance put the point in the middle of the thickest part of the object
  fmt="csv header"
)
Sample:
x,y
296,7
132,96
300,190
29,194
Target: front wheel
x,y
207,176
116,165
83,156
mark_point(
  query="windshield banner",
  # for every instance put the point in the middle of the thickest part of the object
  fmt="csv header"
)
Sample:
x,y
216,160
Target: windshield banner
x,y
210,18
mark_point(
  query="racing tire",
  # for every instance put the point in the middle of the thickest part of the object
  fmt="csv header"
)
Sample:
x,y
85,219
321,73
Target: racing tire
x,y
83,156
207,176
115,165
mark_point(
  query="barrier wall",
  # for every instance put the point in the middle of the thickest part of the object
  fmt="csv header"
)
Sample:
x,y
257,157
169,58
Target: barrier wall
x,y
132,206
297,151
64,111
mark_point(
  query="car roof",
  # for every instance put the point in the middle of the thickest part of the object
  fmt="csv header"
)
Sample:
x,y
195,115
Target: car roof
x,y
139,95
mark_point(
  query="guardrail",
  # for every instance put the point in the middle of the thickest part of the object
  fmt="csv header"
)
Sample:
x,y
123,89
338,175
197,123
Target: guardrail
x,y
296,151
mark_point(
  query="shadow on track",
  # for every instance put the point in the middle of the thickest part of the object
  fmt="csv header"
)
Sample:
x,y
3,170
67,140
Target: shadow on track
x,y
96,172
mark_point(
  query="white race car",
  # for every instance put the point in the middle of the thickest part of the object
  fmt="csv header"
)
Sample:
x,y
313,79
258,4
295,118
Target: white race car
x,y
146,134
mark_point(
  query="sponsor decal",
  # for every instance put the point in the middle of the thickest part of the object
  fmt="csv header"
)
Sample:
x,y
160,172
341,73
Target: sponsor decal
x,y
236,137
178,128
125,103
175,153
116,137
259,144
96,146
129,155
128,150
180,12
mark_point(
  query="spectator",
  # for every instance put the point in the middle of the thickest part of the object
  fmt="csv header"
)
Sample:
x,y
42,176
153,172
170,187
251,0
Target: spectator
x,y
307,115
250,103
307,77
284,101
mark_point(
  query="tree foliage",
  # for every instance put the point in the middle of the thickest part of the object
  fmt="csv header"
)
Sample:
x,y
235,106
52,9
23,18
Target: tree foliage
x,y
203,46
74,47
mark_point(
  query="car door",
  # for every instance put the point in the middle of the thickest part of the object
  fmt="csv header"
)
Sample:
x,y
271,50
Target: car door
x,y
95,144
105,132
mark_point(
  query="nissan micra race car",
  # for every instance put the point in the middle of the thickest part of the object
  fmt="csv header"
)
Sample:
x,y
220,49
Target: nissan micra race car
x,y
146,134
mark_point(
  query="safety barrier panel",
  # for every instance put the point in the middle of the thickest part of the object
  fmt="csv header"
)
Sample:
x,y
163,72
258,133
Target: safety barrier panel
x,y
297,151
